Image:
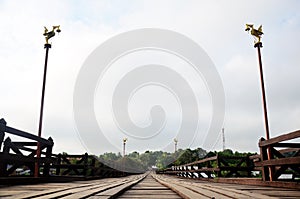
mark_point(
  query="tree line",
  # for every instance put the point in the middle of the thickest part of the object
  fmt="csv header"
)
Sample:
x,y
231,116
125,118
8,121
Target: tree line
x,y
161,160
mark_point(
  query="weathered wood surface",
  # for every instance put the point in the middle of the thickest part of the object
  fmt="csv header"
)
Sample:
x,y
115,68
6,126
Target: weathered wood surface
x,y
281,138
216,166
274,162
190,188
149,188
16,155
104,188
145,186
279,157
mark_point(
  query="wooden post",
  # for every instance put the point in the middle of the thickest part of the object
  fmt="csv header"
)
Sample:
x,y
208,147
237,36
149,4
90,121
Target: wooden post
x,y
198,167
58,163
2,131
189,171
264,156
48,157
3,165
1,138
85,163
6,149
219,166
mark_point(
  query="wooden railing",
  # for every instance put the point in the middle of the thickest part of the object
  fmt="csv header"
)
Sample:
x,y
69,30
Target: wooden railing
x,y
23,154
15,155
283,165
83,165
79,165
284,158
216,166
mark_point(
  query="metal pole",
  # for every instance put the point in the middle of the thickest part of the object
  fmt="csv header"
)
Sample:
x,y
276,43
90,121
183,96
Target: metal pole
x,y
175,142
258,46
223,136
124,143
38,151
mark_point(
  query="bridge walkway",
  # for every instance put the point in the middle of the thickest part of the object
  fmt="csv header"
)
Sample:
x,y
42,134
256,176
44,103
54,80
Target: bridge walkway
x,y
149,188
147,185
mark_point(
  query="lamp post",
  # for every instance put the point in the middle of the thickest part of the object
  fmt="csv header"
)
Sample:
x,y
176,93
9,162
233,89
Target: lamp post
x,y
257,33
175,143
124,143
47,46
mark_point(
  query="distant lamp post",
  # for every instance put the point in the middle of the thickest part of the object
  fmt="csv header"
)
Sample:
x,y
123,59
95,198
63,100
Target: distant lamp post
x,y
257,33
175,143
124,144
47,35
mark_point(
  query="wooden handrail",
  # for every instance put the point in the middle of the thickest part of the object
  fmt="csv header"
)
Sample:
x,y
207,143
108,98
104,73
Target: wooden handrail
x,y
218,165
6,129
279,163
211,159
200,161
281,138
27,135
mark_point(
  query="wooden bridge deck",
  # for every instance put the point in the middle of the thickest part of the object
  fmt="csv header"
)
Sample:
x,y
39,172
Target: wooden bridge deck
x,y
149,188
144,186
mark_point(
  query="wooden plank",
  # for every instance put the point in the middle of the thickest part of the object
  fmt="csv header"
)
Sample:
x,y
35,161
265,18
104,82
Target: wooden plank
x,y
116,191
89,191
12,158
218,191
50,190
109,190
184,192
27,135
287,145
75,156
284,137
281,161
25,143
222,190
194,170
204,169
256,182
201,161
149,188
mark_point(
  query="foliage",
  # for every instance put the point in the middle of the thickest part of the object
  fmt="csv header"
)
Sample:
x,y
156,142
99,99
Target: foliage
x,y
110,157
161,160
188,155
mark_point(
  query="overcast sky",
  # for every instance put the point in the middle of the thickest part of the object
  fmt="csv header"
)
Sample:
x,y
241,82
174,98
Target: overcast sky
x,y
217,26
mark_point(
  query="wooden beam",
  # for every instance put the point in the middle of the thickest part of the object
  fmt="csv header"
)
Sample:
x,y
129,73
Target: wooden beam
x,y
281,161
281,138
27,135
201,161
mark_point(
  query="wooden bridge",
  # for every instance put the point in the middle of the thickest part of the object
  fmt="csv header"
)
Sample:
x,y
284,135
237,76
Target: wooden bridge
x,y
147,185
82,176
